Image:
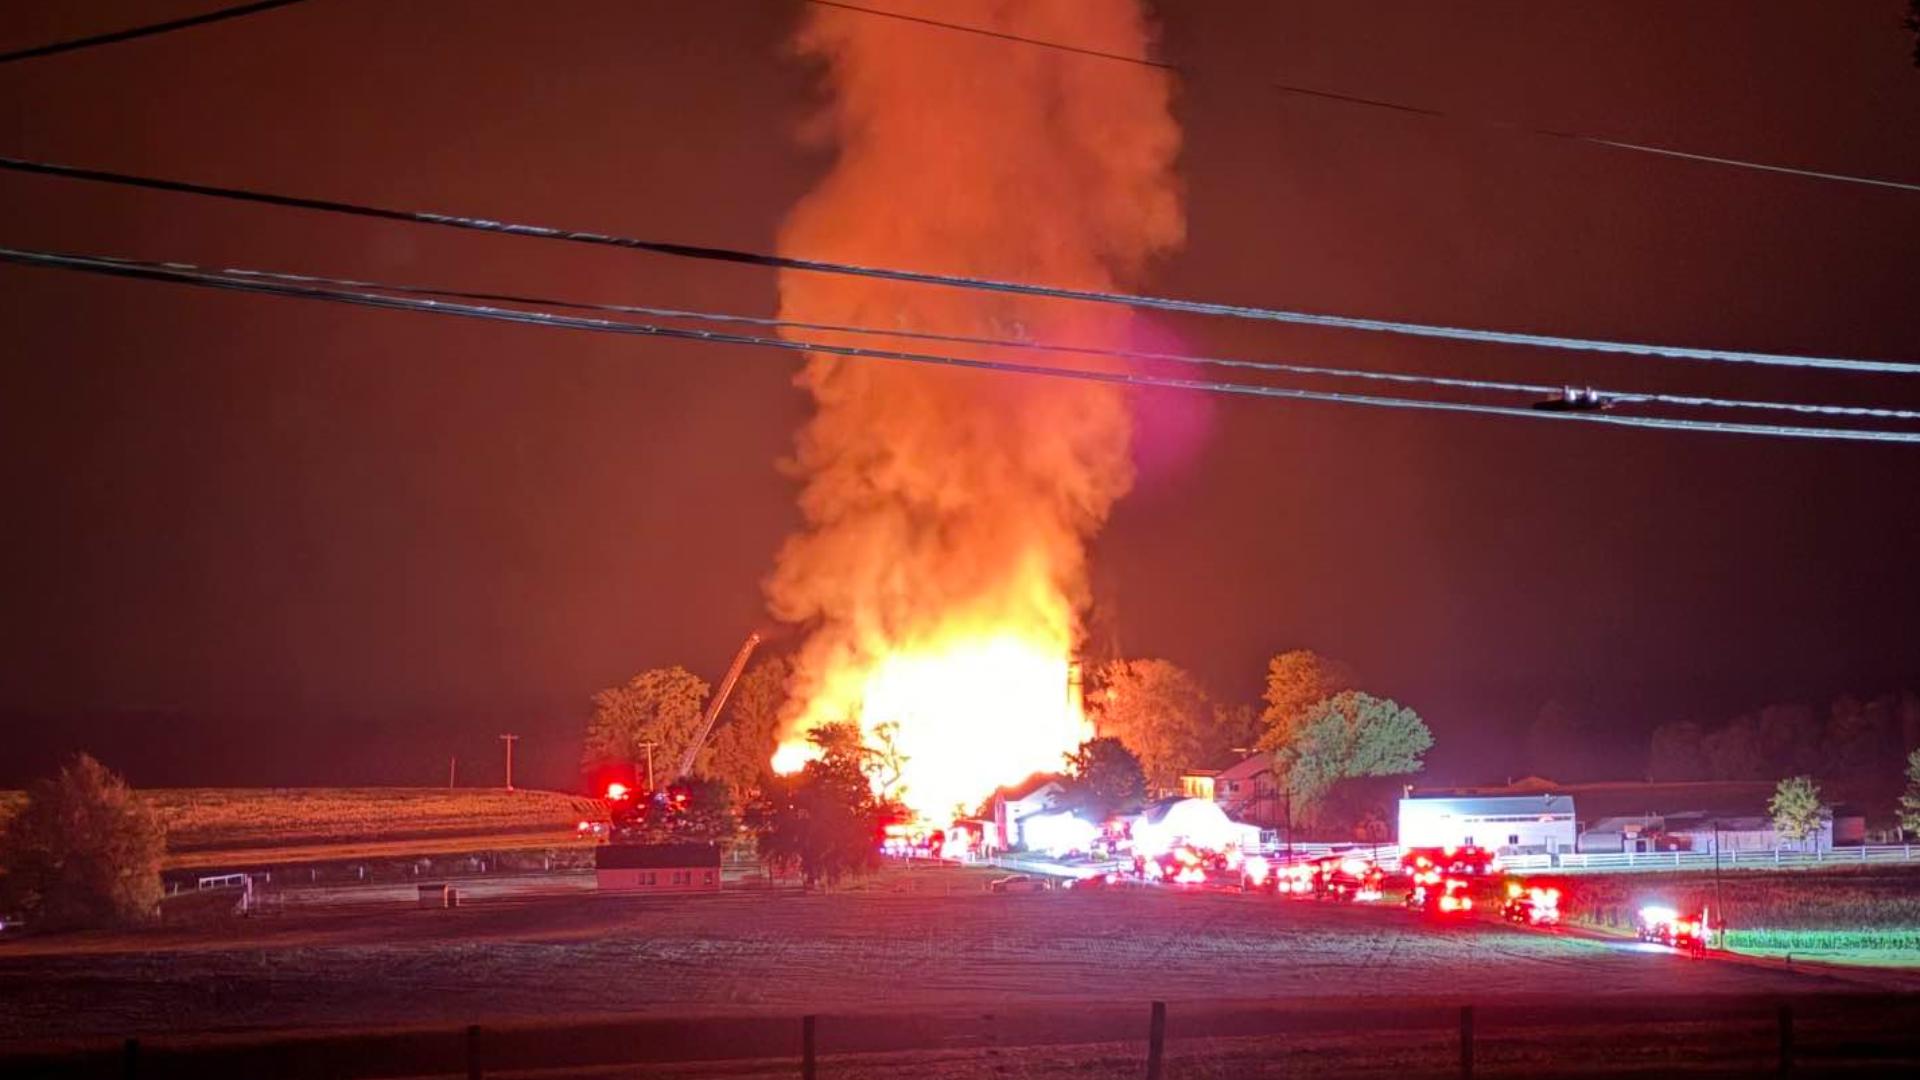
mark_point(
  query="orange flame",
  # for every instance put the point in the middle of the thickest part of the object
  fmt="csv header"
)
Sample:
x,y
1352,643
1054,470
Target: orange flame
x,y
942,567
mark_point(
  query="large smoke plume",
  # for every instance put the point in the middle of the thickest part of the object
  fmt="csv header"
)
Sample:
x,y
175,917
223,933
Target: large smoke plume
x,y
947,512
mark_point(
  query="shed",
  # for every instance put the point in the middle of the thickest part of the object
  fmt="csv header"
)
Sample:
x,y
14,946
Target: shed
x,y
657,868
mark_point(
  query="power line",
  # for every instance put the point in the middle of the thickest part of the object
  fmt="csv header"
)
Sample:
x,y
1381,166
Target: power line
x,y
918,277
162,272
129,34
1607,397
1379,103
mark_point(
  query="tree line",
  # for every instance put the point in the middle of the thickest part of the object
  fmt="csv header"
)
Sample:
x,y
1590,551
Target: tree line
x,y
1858,747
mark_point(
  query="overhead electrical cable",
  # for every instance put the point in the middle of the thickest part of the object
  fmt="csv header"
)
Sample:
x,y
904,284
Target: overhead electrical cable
x,y
1537,390
115,36
918,277
1378,103
160,272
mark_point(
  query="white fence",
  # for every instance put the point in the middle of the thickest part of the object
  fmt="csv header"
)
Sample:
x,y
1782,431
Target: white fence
x,y
1695,860
1565,862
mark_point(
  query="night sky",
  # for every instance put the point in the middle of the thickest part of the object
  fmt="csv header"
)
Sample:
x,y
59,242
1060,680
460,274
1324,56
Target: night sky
x,y
248,540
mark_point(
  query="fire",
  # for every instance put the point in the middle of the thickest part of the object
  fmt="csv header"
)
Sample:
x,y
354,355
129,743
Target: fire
x,y
967,718
942,569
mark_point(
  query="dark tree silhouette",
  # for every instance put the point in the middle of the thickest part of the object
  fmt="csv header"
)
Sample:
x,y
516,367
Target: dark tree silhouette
x,y
84,851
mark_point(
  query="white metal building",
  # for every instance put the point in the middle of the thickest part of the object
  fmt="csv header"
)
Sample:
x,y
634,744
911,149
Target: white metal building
x,y
1509,824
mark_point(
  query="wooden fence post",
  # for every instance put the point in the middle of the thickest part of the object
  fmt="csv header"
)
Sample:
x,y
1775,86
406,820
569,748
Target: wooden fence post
x,y
1786,1039
1156,1039
130,1059
1466,1041
807,1064
473,1052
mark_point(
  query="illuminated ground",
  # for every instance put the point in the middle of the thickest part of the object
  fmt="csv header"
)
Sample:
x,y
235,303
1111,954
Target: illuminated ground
x,y
928,940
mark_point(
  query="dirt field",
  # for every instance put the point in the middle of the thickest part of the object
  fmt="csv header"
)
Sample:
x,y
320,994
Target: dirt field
x,y
921,940
225,826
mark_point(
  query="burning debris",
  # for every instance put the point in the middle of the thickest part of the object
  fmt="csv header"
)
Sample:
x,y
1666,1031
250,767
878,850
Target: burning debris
x,y
942,567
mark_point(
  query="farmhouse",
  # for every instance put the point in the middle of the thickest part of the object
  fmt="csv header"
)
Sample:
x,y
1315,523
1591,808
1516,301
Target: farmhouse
x,y
1037,795
1249,791
657,868
1510,824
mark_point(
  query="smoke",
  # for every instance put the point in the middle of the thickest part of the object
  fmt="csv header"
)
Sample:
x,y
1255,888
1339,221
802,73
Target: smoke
x,y
947,512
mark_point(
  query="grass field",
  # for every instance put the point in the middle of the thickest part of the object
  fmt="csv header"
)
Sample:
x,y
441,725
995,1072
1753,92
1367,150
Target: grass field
x,y
922,939
207,825
1864,915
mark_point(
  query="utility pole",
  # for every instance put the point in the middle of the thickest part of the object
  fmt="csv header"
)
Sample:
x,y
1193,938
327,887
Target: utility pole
x,y
1289,805
509,740
648,747
1717,912
453,766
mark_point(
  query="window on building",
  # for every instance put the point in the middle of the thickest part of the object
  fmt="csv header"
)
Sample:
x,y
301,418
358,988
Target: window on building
x,y
648,878
709,877
1513,839
679,877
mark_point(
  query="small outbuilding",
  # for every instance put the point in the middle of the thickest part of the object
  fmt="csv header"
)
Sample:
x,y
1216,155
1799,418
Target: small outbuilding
x,y
657,868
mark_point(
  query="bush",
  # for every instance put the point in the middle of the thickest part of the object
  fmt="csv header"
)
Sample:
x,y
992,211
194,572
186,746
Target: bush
x,y
84,851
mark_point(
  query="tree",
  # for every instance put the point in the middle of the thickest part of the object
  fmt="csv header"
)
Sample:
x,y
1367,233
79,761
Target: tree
x,y
1796,808
1860,747
1297,681
1676,753
743,742
824,820
1560,743
1236,725
662,706
1789,739
1161,713
1734,752
85,851
1349,736
1104,778
1910,799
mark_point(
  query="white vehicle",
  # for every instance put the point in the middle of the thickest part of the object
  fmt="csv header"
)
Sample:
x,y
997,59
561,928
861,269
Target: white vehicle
x,y
1019,883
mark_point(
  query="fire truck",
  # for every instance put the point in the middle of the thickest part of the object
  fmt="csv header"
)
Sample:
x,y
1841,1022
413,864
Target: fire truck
x,y
632,813
1665,926
1440,896
1347,877
1531,905
1454,861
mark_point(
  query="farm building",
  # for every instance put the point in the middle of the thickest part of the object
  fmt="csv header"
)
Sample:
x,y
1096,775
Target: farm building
x,y
1510,824
1694,830
1037,795
657,868
1639,816
1632,832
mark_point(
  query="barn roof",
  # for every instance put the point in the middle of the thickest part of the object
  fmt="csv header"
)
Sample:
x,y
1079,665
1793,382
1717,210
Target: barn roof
x,y
656,857
1488,805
